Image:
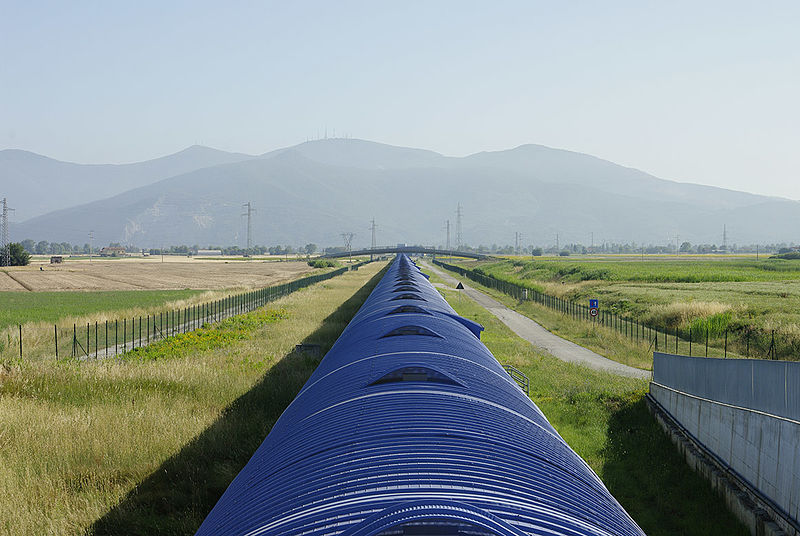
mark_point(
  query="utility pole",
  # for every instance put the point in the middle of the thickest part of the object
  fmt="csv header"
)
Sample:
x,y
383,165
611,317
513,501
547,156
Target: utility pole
x,y
91,244
249,214
447,246
458,227
348,239
5,241
372,227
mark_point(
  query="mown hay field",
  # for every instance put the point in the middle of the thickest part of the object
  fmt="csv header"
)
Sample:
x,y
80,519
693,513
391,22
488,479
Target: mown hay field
x,y
148,273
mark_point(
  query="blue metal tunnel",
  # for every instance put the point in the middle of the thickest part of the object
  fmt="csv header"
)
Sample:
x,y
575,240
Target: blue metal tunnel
x,y
409,425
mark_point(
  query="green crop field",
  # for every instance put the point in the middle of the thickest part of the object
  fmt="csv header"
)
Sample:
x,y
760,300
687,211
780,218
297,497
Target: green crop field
x,y
658,270
24,307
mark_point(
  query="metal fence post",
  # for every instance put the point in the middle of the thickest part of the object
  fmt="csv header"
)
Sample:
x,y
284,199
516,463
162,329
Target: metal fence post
x,y
20,341
726,343
55,336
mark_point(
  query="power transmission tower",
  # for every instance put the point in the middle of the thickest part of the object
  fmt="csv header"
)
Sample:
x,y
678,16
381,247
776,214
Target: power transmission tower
x,y
91,244
373,228
5,241
348,239
724,238
249,214
516,242
447,246
459,237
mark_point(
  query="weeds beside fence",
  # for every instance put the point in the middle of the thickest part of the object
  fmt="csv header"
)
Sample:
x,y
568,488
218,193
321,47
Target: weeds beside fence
x,y
118,336
701,340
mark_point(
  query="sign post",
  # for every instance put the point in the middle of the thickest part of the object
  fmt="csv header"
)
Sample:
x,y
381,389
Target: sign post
x,y
594,306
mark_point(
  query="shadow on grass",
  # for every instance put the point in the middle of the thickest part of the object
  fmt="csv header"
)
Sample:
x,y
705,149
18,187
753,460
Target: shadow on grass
x,y
649,477
177,497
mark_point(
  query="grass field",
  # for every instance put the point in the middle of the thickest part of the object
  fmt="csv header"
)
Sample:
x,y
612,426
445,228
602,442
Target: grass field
x,y
605,420
144,445
749,298
24,307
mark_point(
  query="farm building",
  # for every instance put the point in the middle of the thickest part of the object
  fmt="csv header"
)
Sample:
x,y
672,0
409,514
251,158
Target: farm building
x,y
56,259
209,252
113,252
409,425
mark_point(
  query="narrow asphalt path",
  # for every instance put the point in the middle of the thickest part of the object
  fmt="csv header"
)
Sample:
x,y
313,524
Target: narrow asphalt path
x,y
540,337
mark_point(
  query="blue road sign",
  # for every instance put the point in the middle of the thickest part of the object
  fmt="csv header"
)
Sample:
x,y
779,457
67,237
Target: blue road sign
x,y
593,304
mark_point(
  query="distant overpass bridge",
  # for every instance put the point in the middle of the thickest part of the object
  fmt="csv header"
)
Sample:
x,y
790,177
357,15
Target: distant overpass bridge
x,y
407,250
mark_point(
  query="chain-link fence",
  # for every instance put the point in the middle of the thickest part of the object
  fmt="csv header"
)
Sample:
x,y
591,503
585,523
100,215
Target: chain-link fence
x,y
117,336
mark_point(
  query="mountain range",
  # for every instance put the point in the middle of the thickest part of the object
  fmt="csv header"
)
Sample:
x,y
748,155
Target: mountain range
x,y
314,191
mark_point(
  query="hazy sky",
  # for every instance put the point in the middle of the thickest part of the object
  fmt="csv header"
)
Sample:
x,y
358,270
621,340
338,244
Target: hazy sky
x,y
695,91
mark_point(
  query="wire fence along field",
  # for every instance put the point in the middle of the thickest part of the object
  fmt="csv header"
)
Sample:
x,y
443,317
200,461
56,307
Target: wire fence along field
x,y
706,340
121,335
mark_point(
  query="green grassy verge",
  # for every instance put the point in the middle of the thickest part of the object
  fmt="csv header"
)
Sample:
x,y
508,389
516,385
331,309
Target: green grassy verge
x,y
660,270
147,444
605,420
24,307
751,300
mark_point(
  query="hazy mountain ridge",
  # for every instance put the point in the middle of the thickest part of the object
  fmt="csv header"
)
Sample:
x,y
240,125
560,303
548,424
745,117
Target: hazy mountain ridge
x,y
314,191
36,184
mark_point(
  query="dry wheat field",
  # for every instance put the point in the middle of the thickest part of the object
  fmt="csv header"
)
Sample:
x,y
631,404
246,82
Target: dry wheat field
x,y
149,273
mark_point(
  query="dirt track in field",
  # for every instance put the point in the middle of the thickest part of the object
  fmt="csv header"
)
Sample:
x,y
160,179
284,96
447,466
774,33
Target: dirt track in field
x,y
149,274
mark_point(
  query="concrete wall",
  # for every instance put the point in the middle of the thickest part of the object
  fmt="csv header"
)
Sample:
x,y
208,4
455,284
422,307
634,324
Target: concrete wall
x,y
744,412
769,386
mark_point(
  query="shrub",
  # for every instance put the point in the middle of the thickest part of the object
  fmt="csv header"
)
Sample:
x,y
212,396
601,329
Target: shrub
x,y
322,263
19,257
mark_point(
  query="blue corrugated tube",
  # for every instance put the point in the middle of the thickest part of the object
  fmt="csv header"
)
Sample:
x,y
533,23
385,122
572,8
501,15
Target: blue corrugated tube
x,y
410,426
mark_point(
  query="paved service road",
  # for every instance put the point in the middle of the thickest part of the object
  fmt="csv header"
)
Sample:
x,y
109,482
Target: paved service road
x,y
540,337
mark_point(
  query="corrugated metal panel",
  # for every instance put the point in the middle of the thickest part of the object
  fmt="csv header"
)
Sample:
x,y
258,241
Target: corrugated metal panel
x,y
762,385
418,430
